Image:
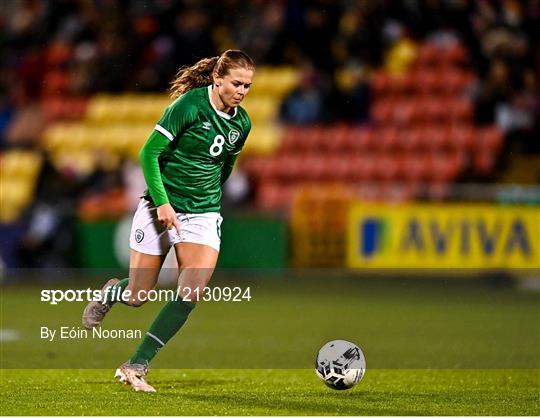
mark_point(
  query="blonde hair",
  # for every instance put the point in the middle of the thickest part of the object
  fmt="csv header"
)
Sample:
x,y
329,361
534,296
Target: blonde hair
x,y
201,73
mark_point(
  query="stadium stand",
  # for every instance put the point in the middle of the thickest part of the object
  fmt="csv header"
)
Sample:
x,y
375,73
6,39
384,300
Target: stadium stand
x,y
411,105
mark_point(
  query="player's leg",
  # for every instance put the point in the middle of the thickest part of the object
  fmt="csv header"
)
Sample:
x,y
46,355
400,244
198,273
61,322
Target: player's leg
x,y
197,263
149,242
143,274
197,250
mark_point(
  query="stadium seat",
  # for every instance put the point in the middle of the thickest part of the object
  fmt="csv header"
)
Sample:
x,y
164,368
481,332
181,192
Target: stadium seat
x,y
432,109
411,139
445,167
428,55
291,139
387,139
461,136
286,167
336,138
360,139
380,84
363,167
382,111
455,55
490,138
435,137
459,109
313,167
455,81
58,55
484,161
387,167
274,196
415,167
425,80
56,83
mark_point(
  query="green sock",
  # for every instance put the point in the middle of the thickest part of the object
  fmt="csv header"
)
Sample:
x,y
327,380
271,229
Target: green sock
x,y
113,293
167,323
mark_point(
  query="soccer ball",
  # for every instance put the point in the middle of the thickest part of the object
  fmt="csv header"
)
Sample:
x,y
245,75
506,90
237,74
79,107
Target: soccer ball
x,y
340,364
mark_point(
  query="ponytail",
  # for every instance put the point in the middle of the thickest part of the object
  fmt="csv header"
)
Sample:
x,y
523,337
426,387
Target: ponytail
x,y
198,75
202,73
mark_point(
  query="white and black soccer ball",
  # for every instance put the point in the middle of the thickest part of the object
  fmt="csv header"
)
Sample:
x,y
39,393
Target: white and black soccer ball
x,y
340,364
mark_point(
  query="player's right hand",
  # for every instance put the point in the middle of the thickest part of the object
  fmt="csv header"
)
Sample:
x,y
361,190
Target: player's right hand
x,y
167,217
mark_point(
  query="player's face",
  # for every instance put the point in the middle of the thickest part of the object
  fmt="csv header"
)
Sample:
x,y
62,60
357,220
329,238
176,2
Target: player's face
x,y
233,87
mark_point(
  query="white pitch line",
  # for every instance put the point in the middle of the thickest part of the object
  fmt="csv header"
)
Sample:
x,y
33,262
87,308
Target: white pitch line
x,y
7,335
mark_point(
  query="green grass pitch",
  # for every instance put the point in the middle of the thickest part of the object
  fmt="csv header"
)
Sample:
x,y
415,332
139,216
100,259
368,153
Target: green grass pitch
x,y
432,348
272,392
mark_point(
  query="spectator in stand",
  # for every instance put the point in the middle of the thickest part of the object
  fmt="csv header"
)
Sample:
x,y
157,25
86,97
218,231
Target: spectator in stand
x,y
304,105
495,90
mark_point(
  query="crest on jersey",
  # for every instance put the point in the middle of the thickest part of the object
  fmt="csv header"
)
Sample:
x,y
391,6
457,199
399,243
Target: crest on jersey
x,y
139,235
233,136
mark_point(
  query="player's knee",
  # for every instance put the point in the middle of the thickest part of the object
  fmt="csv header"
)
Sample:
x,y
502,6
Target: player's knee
x,y
137,297
135,303
192,293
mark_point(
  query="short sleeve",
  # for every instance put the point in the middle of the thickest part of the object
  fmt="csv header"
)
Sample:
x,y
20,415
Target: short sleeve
x,y
178,116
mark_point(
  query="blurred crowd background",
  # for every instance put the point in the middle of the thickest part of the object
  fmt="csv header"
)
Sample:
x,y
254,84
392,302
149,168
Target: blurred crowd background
x,y
387,100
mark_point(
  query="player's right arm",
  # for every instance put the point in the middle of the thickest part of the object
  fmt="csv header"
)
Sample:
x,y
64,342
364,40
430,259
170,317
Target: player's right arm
x,y
149,158
176,119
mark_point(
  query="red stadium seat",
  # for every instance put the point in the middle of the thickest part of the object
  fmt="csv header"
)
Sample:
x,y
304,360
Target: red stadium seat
x,y
380,83
490,138
382,112
312,167
387,167
435,137
405,112
335,138
428,55
274,196
360,139
411,139
292,138
484,161
455,81
58,55
445,167
461,136
415,167
337,167
426,81
386,139
286,167
56,83
363,167
433,109
460,109
455,54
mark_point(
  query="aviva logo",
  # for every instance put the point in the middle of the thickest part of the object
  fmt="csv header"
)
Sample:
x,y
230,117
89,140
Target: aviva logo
x,y
372,236
443,236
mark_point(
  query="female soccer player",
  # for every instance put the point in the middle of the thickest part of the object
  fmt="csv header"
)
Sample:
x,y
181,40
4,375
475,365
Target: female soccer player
x,y
185,161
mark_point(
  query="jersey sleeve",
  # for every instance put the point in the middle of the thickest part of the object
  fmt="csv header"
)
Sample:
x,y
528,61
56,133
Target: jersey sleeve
x,y
178,116
149,155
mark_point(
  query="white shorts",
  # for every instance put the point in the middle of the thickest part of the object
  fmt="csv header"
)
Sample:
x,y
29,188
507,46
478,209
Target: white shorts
x,y
149,236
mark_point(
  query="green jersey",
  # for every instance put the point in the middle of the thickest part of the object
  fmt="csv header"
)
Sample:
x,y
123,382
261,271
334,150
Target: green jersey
x,y
203,144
